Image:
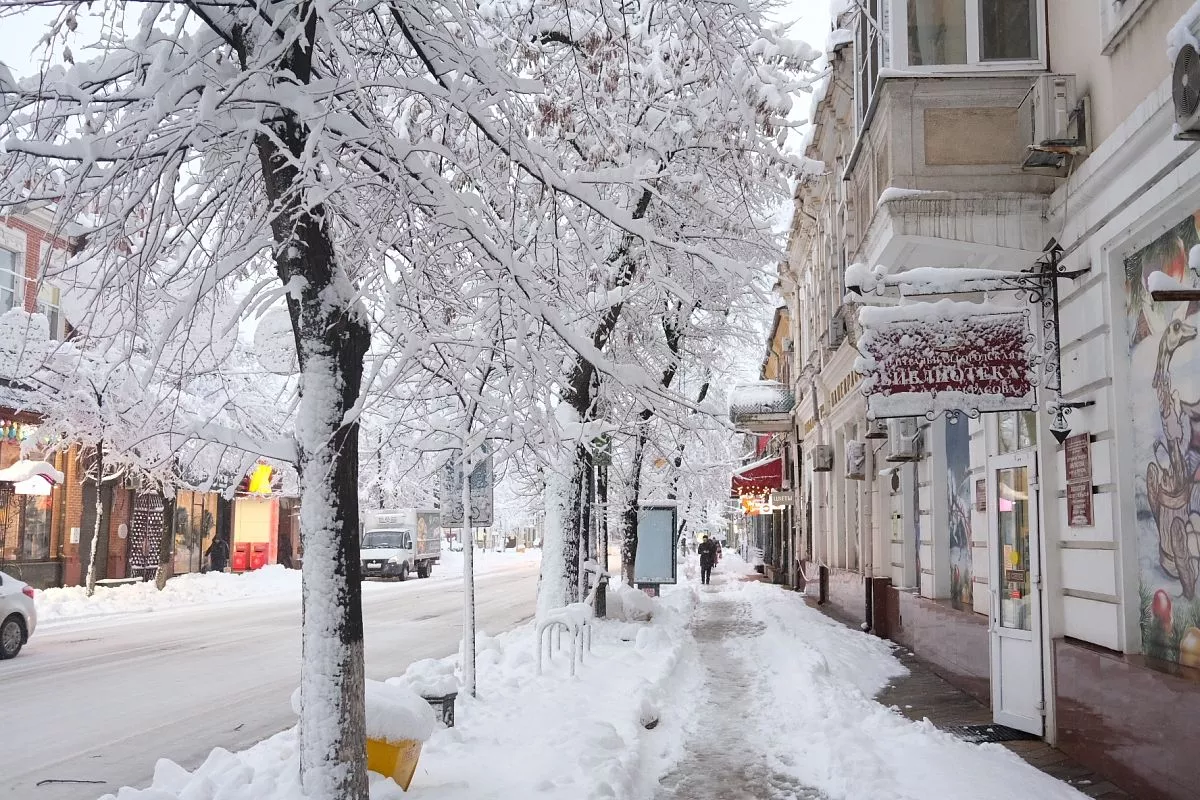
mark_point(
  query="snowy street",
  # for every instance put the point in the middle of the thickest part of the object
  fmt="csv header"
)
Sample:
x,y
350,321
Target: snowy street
x,y
98,701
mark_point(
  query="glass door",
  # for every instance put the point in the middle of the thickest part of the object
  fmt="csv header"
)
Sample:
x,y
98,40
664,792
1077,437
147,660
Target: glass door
x,y
1016,605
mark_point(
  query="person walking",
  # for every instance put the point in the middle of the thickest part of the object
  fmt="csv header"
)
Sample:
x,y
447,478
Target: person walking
x,y
708,557
218,554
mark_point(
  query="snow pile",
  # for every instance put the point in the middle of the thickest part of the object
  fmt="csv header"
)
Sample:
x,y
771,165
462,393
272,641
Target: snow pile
x,y
825,674
72,602
626,603
430,677
838,37
395,712
1162,282
549,737
1181,34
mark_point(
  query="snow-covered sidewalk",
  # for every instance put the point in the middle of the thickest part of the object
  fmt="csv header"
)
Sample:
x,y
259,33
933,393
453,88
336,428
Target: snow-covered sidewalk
x,y
735,690
786,711
72,603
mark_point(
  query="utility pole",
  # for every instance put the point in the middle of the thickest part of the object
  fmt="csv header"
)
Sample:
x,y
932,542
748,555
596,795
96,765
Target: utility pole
x,y
468,665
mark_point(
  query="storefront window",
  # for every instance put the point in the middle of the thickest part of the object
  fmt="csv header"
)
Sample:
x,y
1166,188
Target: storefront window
x,y
1012,514
34,544
1017,430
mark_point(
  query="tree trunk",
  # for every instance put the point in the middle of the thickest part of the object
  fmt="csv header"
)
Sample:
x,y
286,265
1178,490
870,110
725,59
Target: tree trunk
x,y
90,582
333,716
629,539
586,543
558,583
602,511
330,329
166,544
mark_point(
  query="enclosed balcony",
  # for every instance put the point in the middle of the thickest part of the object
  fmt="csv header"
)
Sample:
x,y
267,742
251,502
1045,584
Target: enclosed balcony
x,y
761,407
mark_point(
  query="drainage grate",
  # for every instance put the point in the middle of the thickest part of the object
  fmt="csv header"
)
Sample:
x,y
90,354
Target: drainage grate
x,y
978,734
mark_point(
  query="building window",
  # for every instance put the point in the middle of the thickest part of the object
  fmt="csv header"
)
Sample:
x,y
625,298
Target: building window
x,y
868,52
1008,30
1017,431
937,32
48,302
970,33
11,279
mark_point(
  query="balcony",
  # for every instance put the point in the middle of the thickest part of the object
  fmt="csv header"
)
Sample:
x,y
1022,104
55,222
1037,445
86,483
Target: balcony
x,y
762,407
937,177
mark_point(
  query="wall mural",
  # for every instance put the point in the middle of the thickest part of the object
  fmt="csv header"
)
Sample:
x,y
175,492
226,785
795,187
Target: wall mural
x,y
958,482
1165,398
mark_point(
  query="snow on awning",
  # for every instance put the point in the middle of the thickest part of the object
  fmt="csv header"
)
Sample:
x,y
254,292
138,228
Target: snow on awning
x,y
23,470
758,477
31,477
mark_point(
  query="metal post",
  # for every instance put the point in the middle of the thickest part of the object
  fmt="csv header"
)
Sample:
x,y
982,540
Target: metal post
x,y
468,577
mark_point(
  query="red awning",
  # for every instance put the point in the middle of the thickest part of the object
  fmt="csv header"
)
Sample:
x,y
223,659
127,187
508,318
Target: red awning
x,y
759,477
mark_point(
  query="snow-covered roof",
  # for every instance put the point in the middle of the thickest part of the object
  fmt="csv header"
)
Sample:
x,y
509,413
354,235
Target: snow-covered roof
x,y
761,397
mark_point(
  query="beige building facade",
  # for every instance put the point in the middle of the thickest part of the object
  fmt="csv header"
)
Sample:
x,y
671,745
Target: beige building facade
x,y
986,134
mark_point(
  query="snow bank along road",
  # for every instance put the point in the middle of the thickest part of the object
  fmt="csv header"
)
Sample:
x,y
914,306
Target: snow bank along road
x,y
102,700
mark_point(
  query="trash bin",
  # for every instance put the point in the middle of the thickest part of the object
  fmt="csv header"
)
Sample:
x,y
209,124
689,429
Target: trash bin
x,y
443,706
241,557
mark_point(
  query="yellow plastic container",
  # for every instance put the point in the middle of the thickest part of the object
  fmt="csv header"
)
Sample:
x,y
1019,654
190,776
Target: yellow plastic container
x,y
396,760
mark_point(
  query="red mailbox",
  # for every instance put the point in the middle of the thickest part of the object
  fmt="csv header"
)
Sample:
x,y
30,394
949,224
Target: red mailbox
x,y
241,557
258,555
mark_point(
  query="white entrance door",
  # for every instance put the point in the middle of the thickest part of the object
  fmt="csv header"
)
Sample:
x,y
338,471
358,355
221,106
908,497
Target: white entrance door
x,y
1015,581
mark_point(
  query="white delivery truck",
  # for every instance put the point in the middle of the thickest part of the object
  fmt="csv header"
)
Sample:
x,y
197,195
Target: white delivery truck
x,y
399,541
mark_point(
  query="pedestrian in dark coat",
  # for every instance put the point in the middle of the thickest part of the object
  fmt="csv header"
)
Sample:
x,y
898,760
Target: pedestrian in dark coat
x,y
218,554
708,557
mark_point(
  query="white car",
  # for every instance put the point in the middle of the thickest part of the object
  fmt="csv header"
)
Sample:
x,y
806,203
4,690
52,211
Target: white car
x,y
18,615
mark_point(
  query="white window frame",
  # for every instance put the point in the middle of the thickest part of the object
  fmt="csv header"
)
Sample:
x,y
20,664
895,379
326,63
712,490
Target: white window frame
x,y
46,298
18,273
974,64
1116,18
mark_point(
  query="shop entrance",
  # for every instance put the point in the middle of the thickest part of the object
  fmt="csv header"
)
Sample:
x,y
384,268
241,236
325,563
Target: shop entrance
x,y
1015,582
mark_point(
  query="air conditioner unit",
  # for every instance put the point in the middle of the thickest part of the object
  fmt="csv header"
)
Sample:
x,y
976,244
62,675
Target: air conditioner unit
x,y
1185,91
856,460
903,442
1052,123
823,458
877,429
837,332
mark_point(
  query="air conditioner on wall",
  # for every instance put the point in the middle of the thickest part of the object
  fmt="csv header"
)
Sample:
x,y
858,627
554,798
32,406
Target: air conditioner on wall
x,y
1052,123
823,458
837,332
903,439
856,460
1185,92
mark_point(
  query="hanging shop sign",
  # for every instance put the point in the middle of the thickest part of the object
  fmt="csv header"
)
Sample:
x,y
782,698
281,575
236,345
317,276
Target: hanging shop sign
x,y
481,490
1078,452
922,359
823,458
